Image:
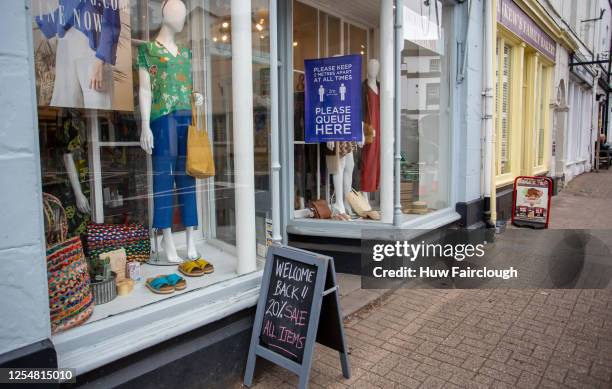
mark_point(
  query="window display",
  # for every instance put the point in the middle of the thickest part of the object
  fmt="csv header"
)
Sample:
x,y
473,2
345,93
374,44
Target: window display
x,y
347,175
127,79
329,171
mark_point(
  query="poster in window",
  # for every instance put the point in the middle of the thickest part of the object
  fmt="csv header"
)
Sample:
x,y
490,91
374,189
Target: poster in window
x,y
333,99
83,54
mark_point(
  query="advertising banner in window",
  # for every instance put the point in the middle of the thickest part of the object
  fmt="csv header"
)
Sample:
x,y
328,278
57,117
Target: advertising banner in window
x,y
83,54
333,99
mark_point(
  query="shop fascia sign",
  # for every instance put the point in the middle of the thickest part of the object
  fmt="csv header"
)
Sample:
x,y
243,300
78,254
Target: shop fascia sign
x,y
423,31
517,21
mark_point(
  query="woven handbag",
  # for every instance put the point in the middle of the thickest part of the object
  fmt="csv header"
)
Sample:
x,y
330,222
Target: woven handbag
x,y
358,203
134,238
70,296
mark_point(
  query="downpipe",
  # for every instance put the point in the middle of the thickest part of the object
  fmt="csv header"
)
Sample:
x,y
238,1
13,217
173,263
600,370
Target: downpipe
x,y
489,135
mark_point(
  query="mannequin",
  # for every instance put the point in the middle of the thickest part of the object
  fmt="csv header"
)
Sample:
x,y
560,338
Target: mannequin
x,y
70,146
164,125
370,161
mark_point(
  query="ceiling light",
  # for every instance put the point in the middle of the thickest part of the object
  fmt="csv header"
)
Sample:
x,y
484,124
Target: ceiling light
x,y
262,36
259,27
294,44
224,38
225,24
214,39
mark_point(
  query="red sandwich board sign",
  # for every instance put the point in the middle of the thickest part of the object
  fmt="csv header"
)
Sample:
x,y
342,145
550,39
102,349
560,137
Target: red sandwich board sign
x,y
531,201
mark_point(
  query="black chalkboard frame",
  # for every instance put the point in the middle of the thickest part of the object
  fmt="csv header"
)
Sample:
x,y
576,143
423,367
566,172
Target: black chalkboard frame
x,y
325,292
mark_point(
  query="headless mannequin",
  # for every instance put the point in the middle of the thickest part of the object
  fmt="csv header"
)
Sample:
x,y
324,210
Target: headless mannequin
x,y
82,203
342,178
173,20
372,73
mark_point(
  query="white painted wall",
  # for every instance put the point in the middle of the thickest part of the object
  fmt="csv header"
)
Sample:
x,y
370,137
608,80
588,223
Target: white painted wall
x,y
470,109
23,284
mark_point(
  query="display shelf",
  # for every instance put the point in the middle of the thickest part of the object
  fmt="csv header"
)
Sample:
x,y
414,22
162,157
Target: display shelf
x,y
225,268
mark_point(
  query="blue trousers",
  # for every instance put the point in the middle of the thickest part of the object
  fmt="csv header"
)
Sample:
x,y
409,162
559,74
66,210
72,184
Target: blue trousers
x,y
169,171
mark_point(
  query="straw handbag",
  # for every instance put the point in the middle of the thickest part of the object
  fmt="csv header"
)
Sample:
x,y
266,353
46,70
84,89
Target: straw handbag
x,y
361,206
70,296
200,163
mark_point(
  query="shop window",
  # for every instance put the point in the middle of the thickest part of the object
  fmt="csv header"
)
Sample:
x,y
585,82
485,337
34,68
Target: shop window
x,y
425,108
540,135
504,129
89,65
319,34
433,94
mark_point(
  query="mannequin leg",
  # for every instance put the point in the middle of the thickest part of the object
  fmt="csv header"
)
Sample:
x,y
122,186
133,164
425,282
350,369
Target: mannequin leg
x,y
338,179
348,180
169,247
192,253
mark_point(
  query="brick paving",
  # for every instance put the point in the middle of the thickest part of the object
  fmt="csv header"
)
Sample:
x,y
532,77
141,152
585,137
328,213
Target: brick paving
x,y
502,338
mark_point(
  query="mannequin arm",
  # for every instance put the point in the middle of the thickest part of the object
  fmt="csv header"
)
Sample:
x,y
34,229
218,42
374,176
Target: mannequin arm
x,y
144,98
81,200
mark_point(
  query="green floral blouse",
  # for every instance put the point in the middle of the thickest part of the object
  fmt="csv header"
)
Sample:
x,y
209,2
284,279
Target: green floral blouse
x,y
171,84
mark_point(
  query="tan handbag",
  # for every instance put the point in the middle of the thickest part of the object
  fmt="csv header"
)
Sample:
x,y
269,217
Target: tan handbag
x,y
320,209
200,163
358,203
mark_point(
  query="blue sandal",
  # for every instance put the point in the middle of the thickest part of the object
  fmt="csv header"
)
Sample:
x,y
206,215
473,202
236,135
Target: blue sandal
x,y
160,285
177,281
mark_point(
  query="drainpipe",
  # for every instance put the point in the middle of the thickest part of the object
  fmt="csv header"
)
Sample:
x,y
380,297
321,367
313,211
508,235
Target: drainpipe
x,y
489,136
399,43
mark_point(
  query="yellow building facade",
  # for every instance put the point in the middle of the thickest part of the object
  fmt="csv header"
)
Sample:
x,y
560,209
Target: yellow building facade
x,y
525,40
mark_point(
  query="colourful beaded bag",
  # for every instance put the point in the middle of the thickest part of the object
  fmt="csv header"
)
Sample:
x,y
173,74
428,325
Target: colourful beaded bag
x,y
70,296
134,238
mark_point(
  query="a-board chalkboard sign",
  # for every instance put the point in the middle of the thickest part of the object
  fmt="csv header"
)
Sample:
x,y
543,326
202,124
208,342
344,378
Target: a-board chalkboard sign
x,y
287,307
299,304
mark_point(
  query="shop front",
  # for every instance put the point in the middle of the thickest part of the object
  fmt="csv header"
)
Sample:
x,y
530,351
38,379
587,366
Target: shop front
x,y
137,249
525,55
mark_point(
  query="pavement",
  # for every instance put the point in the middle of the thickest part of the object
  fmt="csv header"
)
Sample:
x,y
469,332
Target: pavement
x,y
477,338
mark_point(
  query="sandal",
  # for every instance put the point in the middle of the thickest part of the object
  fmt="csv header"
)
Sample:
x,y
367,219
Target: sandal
x,y
159,285
196,268
177,281
206,266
